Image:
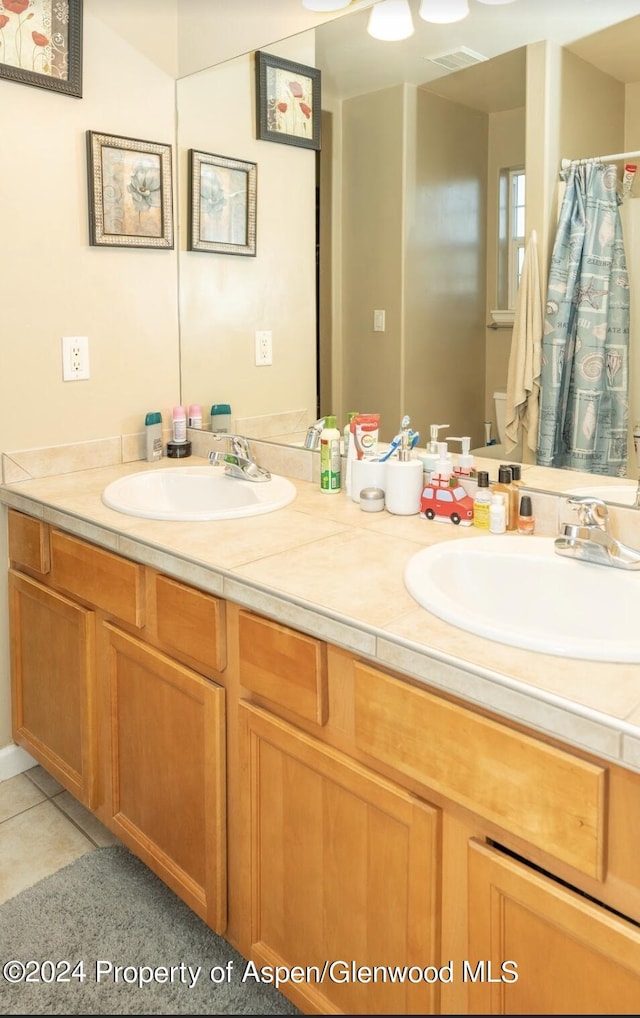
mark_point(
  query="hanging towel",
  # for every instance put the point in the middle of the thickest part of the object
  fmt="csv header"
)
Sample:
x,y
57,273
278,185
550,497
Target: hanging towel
x,y
523,378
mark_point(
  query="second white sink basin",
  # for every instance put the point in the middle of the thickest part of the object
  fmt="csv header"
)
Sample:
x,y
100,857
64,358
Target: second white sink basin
x,y
623,494
518,591
195,493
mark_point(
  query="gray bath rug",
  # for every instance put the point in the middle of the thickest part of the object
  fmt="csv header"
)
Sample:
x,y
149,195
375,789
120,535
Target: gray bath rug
x,y
105,936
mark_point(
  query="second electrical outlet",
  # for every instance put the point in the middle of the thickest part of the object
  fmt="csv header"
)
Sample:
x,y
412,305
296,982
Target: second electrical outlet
x,y
264,348
75,358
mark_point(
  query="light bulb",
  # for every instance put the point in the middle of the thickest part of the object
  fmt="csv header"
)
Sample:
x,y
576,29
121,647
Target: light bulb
x,y
390,20
443,12
325,5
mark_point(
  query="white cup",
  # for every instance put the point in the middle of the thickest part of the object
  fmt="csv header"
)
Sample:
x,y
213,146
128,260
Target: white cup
x,y
366,474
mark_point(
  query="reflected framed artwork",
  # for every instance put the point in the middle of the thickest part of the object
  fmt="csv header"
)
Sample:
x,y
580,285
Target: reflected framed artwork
x,y
287,101
222,204
130,192
41,44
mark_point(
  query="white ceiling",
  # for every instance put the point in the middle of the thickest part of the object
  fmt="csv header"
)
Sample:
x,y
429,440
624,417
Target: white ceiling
x,y
352,62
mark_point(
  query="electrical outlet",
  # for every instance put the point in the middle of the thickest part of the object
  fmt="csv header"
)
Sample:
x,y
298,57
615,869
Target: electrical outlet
x,y
264,348
75,358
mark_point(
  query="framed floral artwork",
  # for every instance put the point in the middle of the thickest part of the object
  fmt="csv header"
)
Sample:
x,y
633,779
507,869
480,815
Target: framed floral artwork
x,y
287,101
41,44
222,204
130,192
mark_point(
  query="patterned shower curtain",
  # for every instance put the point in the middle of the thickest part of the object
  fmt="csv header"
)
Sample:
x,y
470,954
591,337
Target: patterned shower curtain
x,y
584,396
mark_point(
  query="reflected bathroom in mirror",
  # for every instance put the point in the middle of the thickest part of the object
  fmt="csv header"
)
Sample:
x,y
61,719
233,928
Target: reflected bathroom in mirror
x,y
405,192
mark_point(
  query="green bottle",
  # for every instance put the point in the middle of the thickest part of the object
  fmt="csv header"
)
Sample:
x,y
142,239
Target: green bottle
x,y
330,479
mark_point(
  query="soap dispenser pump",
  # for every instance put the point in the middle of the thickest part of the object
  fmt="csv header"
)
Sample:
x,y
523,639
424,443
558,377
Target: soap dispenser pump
x,y
432,455
466,464
403,477
444,466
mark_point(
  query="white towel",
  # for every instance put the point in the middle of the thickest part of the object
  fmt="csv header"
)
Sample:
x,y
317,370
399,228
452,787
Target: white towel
x,y
523,378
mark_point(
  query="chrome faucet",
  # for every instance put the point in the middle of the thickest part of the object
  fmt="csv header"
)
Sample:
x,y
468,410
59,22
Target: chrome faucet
x,y
590,538
312,438
237,459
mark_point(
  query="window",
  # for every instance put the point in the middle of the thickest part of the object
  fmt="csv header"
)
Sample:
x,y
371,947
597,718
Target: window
x,y
511,235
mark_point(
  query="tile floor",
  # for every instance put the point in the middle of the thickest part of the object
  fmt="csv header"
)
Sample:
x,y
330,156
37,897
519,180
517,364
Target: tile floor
x,y
42,829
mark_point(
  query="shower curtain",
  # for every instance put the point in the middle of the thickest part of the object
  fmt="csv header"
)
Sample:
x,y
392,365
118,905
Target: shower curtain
x,y
584,387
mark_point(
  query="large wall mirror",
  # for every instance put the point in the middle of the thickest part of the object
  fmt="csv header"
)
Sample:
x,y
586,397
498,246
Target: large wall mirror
x,y
404,199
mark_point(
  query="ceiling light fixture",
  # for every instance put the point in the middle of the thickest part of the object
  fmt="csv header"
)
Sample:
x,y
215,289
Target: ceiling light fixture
x,y
391,20
495,2
443,12
325,5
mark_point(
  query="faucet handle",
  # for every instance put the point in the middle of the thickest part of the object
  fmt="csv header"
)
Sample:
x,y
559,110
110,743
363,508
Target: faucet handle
x,y
592,512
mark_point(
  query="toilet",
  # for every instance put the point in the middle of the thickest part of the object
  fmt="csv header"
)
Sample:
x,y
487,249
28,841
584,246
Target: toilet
x,y
500,405
497,451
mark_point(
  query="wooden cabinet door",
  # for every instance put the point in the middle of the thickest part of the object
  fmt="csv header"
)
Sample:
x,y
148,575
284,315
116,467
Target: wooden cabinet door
x,y
570,954
53,683
344,876
168,771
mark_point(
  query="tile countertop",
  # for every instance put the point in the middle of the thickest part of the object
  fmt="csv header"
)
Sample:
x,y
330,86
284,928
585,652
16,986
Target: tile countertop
x,y
323,566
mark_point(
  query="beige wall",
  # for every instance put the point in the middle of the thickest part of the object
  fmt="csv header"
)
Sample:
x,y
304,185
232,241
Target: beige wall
x,y
52,283
413,174
224,298
507,150
445,259
372,251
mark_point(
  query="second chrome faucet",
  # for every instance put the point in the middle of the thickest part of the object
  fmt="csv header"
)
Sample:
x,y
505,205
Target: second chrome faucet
x,y
590,538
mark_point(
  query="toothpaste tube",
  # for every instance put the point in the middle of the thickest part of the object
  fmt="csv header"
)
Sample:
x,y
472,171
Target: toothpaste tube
x,y
627,178
365,428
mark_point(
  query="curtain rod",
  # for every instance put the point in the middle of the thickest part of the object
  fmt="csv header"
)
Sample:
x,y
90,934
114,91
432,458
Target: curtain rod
x,y
566,163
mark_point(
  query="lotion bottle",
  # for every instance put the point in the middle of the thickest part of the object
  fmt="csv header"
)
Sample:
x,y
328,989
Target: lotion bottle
x,y
497,514
511,495
403,478
482,501
330,480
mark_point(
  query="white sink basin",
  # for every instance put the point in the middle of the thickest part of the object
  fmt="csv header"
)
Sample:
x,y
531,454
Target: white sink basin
x,y
624,493
518,591
195,493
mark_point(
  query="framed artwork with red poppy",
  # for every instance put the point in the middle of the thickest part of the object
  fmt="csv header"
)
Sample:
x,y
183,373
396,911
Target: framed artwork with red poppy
x,y
287,101
130,192
41,44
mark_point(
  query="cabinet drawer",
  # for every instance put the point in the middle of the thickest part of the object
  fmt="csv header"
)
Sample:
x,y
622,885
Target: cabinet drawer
x,y
28,542
549,797
190,623
98,577
283,666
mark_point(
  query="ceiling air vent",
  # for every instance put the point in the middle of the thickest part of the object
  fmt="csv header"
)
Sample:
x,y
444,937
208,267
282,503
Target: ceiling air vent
x,y
457,59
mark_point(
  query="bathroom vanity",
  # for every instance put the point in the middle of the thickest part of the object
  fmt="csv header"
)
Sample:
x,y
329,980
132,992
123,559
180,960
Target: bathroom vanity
x,y
335,780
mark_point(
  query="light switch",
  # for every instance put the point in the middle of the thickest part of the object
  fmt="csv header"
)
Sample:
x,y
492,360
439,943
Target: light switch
x,y
378,321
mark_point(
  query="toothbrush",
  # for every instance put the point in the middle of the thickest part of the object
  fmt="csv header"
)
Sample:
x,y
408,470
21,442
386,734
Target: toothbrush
x,y
392,448
414,437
